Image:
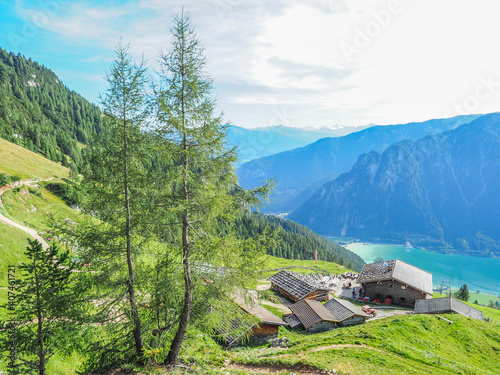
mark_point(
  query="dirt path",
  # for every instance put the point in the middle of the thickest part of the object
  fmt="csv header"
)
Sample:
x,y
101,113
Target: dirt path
x,y
263,286
276,369
32,232
342,346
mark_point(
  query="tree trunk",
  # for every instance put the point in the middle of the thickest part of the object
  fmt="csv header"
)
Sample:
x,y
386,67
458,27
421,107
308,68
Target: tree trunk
x,y
131,287
39,316
175,347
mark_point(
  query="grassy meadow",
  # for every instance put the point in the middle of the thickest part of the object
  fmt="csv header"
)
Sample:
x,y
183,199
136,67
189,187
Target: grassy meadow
x,y
17,161
414,344
301,266
33,206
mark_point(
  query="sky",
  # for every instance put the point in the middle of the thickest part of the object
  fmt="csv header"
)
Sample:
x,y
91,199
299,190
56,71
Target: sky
x,y
317,63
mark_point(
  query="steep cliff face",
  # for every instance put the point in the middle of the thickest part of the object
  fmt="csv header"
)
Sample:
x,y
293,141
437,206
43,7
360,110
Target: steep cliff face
x,y
439,190
300,172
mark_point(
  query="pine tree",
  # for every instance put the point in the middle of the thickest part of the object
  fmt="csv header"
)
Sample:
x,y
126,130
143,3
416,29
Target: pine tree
x,y
462,293
40,309
342,261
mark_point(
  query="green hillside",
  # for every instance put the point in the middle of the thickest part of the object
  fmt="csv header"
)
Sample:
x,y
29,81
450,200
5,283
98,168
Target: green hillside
x,y
417,344
38,112
18,161
295,241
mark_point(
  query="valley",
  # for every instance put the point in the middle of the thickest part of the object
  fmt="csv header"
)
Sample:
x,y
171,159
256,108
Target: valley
x,y
170,241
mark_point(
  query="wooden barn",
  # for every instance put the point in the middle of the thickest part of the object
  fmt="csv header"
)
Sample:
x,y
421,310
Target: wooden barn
x,y
347,313
268,323
446,305
396,281
312,315
256,322
291,285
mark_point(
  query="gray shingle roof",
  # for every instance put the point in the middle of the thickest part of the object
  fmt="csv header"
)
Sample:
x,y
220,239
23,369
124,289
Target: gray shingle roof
x,y
343,309
310,312
446,305
400,271
294,284
293,321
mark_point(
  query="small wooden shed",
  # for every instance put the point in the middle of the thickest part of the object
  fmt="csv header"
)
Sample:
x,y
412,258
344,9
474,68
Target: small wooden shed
x,y
291,285
248,321
268,322
347,313
313,316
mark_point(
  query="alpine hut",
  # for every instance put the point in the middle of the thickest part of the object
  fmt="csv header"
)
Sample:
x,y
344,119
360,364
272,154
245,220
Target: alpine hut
x,y
396,281
295,287
312,315
347,313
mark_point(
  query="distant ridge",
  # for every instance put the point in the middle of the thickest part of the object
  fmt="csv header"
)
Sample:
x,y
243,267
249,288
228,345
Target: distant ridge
x,y
259,142
300,172
441,192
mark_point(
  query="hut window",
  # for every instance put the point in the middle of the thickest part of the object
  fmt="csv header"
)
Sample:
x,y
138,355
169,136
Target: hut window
x,y
403,286
402,299
390,285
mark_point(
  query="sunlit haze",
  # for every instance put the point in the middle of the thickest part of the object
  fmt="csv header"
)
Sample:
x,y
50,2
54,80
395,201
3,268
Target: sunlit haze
x,y
297,63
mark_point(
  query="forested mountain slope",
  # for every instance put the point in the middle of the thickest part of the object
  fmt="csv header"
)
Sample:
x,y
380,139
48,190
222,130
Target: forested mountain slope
x,y
39,113
300,172
296,241
441,190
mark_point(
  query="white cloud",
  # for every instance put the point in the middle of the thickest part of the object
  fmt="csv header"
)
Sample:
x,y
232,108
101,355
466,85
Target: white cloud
x,y
409,60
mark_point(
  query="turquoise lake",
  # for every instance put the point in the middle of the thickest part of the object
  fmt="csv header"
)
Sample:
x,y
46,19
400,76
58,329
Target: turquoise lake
x,y
477,272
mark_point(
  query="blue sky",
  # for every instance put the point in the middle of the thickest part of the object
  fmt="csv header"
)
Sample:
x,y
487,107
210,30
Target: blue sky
x,y
298,63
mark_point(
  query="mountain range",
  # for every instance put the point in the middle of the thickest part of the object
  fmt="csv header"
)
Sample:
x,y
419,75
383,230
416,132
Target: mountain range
x,y
259,142
300,172
440,191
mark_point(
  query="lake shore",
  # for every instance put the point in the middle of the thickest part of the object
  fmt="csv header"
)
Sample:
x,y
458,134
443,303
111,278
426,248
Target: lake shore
x,y
346,241
479,273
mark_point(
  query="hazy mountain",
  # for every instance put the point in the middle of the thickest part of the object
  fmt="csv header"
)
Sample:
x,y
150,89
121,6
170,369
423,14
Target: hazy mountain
x,y
439,190
260,142
300,172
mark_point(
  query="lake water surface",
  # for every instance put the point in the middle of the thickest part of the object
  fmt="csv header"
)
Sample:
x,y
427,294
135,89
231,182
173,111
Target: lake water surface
x,y
477,272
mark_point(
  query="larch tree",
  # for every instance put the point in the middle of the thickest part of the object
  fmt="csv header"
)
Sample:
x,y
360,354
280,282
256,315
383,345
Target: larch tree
x,y
115,196
200,181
